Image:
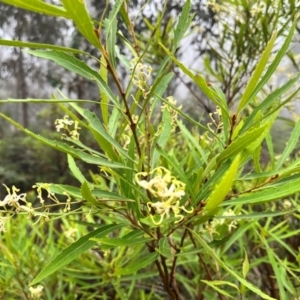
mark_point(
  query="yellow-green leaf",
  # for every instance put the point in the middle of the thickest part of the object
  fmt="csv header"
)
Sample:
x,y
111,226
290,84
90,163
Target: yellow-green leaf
x,y
256,75
104,98
223,187
131,239
164,248
246,265
39,7
15,43
214,284
242,142
87,194
75,170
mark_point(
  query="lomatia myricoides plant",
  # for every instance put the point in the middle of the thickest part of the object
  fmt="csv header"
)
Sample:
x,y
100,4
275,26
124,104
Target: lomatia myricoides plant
x,y
170,197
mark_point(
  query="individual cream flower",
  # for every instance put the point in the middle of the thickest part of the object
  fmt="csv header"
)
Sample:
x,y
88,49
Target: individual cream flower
x,y
141,75
287,204
36,292
12,199
167,190
74,133
233,224
46,186
214,224
68,202
126,135
71,233
65,123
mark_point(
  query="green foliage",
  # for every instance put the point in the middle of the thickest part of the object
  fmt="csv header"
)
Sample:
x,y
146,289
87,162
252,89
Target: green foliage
x,y
166,203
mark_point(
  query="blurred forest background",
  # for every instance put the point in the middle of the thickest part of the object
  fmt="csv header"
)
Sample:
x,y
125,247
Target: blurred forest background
x,y
224,44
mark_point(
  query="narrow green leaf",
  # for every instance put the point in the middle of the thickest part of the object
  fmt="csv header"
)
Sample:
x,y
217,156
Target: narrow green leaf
x,y
214,284
246,98
183,24
75,170
131,239
161,84
39,7
213,180
91,159
258,215
124,15
221,189
111,32
137,265
276,61
104,98
63,189
164,247
256,158
270,149
104,195
111,44
57,101
129,175
293,168
112,16
96,128
75,65
230,271
237,129
290,146
73,251
77,11
7,253
281,238
268,194
76,193
113,123
269,121
87,195
96,125
88,158
243,141
225,111
21,44
268,102
246,265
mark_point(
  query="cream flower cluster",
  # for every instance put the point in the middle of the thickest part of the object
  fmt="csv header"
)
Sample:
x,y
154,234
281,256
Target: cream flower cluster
x,y
215,223
13,199
65,123
141,74
36,292
50,195
167,190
